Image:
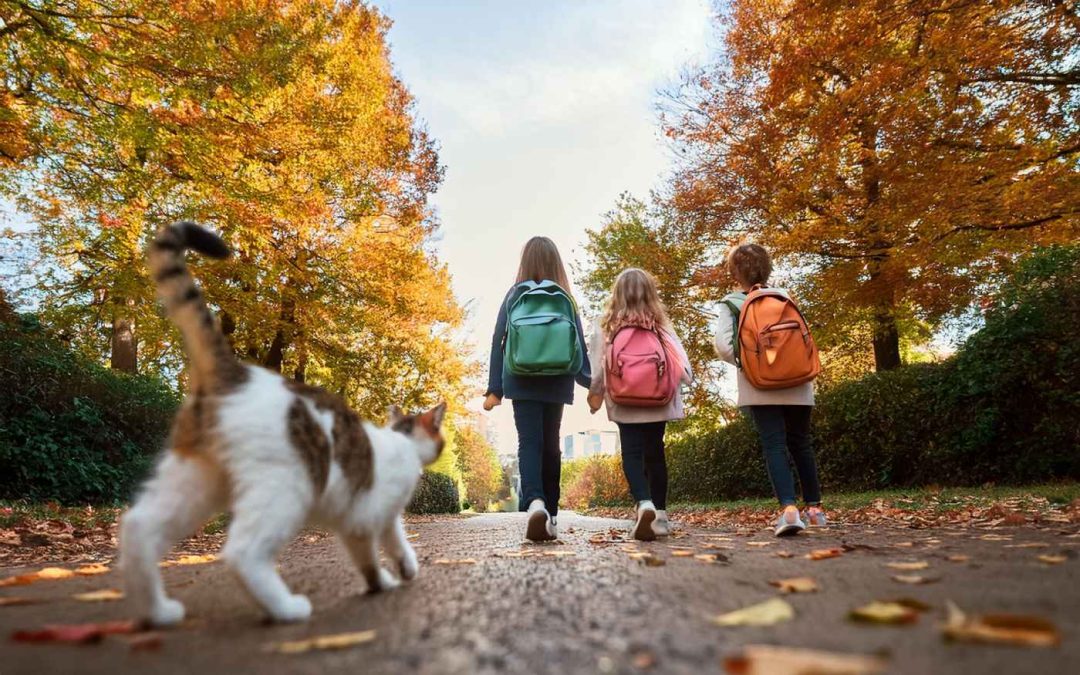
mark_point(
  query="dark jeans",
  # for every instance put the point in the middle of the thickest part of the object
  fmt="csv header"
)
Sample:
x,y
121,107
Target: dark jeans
x,y
643,461
786,429
539,457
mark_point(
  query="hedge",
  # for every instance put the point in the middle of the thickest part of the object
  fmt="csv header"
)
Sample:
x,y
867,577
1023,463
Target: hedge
x,y
1004,409
72,431
435,493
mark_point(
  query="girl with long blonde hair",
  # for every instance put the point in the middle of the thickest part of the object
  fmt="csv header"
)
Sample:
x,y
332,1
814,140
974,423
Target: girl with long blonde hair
x,y
635,302
538,399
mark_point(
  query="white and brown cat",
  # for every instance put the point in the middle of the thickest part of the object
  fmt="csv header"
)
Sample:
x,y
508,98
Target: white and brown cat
x,y
275,453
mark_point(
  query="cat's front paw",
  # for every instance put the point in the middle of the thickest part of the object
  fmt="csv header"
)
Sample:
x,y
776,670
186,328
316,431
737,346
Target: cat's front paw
x,y
408,566
167,612
293,609
384,582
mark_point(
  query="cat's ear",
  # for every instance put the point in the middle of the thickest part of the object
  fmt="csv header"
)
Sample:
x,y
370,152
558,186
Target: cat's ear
x,y
437,413
394,415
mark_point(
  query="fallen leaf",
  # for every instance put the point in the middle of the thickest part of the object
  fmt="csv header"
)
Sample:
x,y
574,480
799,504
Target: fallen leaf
x,y
772,611
104,595
644,660
1016,629
760,543
785,554
1053,559
884,612
78,633
336,641
711,557
145,642
825,553
917,605
90,570
908,566
773,660
12,602
189,560
44,574
462,561
996,537
682,553
559,554
648,559
914,579
958,558
904,544
1030,544
796,585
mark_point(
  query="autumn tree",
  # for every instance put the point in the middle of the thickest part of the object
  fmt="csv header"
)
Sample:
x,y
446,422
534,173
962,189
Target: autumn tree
x,y
651,236
279,123
898,155
481,472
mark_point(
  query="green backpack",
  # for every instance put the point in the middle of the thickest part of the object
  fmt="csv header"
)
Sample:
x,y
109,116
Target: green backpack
x,y
541,331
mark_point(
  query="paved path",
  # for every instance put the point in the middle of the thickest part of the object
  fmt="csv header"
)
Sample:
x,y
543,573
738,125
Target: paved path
x,y
595,611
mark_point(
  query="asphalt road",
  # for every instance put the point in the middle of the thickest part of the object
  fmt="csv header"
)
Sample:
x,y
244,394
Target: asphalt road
x,y
597,610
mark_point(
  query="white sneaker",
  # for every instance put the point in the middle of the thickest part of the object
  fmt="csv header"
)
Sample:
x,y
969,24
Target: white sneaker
x,y
789,523
552,529
661,526
539,526
646,516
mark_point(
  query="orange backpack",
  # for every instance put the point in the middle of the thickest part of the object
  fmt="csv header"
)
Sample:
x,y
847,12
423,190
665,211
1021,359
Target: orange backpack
x,y
773,345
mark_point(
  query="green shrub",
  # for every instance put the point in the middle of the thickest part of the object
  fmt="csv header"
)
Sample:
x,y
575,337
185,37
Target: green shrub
x,y
71,430
1004,409
435,493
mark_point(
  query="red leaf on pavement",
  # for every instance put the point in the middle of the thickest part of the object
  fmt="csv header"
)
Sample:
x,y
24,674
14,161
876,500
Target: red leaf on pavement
x,y
75,633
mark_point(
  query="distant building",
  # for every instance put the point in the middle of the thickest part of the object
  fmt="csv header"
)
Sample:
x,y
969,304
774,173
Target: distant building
x,y
589,444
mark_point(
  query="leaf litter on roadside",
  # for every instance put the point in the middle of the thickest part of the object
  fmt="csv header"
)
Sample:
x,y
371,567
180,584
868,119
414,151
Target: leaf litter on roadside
x,y
75,633
825,553
914,579
18,602
772,611
44,574
908,566
104,595
774,660
1014,629
321,642
886,612
456,561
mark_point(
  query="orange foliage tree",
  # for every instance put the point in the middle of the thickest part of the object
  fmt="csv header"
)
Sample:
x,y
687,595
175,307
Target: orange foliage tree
x,y
897,155
281,124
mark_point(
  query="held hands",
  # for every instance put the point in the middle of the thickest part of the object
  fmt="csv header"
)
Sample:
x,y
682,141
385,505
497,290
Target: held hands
x,y
491,401
595,401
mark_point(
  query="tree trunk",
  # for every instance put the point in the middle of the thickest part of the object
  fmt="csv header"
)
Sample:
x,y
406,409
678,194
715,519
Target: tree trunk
x,y
124,355
886,341
300,373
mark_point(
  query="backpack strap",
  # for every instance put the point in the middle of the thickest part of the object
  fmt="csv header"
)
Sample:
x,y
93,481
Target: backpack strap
x,y
734,332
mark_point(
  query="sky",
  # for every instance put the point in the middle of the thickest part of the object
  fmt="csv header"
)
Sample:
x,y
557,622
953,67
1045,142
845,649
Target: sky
x,y
545,112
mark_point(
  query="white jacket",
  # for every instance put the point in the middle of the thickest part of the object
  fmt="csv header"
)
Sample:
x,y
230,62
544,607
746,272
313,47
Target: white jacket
x,y
723,332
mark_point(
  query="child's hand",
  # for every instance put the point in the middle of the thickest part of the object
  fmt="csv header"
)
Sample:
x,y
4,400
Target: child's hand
x,y
491,401
595,401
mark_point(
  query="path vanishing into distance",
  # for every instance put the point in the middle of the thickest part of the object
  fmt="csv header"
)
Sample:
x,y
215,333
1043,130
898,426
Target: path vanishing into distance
x,y
485,602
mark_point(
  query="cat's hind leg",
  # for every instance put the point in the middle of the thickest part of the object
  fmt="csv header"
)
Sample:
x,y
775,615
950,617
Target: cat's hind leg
x,y
184,492
364,551
397,546
269,508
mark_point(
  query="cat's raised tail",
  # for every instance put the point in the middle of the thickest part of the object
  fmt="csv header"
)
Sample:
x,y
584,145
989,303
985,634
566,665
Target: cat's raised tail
x,y
212,359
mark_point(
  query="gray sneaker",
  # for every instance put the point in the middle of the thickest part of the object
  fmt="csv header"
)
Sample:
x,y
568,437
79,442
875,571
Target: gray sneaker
x,y
643,527
815,517
789,523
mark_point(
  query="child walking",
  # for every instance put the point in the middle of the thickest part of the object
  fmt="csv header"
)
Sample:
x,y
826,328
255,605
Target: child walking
x,y
638,367
537,353
782,416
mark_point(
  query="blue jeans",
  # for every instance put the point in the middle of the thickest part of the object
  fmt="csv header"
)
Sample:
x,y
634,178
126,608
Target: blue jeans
x,y
643,461
539,456
786,429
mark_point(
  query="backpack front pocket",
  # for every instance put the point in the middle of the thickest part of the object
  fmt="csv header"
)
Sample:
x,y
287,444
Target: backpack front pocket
x,y
542,344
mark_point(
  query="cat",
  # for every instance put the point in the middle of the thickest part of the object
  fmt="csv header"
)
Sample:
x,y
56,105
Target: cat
x,y
277,454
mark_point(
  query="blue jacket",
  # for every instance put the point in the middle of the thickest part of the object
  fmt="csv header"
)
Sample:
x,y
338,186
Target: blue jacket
x,y
544,388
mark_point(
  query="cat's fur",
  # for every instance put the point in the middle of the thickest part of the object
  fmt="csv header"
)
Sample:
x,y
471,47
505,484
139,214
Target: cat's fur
x,y
275,453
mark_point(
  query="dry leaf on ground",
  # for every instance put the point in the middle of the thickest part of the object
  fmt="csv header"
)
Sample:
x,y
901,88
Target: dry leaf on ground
x,y
785,554
559,554
914,579
773,660
825,553
104,595
682,553
885,612
44,574
91,570
958,558
908,566
79,633
336,641
760,543
189,560
1015,629
1053,559
772,611
647,559
461,561
1030,544
796,585
13,602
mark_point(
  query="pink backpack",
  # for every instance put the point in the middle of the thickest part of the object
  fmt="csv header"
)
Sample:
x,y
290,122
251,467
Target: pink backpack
x,y
641,370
